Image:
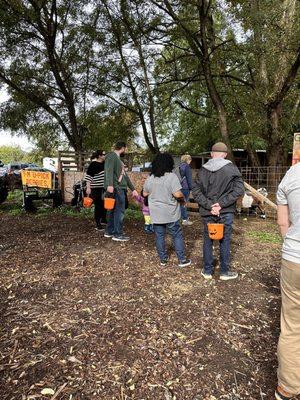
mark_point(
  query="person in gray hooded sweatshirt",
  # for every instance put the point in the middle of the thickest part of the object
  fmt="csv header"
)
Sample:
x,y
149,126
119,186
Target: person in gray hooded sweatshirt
x,y
216,189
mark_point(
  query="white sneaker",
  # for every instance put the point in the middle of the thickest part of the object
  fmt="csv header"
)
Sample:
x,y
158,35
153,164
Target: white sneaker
x,y
186,222
108,235
206,276
121,238
229,275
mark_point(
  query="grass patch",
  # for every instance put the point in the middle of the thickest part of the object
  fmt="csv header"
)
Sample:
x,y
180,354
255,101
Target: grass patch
x,y
134,214
65,210
266,237
13,206
15,196
76,212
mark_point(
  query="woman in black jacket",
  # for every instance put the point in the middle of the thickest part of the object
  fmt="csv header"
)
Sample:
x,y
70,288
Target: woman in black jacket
x,y
95,186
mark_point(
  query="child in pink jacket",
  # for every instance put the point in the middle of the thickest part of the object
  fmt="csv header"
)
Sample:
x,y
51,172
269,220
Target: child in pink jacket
x,y
143,202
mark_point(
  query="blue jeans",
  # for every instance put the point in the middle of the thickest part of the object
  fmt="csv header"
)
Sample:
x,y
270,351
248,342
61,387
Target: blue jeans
x,y
116,216
174,229
183,209
208,258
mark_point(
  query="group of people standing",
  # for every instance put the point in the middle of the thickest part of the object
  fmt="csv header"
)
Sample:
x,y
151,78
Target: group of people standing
x,y
216,189
164,199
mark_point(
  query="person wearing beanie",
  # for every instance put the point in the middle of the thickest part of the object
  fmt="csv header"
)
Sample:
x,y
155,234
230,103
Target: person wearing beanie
x,y
217,187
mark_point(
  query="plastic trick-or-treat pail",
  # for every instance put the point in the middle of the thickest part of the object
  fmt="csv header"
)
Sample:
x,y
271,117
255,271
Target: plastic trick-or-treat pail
x,y
215,231
87,202
109,203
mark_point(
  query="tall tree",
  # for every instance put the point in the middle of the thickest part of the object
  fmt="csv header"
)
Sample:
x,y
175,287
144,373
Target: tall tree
x,y
41,60
272,53
131,62
196,23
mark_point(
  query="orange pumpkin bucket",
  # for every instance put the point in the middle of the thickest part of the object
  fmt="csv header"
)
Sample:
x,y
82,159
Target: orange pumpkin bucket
x,y
215,231
87,202
109,203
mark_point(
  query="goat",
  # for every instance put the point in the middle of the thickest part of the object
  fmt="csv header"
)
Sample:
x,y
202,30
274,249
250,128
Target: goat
x,y
252,204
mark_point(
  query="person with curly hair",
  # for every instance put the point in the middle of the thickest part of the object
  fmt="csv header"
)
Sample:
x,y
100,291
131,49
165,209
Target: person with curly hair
x,y
164,191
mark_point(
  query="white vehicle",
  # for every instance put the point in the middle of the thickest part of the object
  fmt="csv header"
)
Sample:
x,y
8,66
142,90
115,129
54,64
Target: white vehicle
x,y
50,163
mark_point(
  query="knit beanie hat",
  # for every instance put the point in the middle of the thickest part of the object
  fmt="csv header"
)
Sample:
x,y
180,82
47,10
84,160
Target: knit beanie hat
x,y
219,148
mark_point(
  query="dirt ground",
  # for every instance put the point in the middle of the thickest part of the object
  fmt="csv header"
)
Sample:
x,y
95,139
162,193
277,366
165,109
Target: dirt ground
x,y
84,318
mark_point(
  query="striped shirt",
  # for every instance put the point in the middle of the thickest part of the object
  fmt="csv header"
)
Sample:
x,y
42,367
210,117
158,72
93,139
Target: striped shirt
x,y
95,174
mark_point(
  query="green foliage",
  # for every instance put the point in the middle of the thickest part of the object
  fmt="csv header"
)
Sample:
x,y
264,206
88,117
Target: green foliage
x,y
13,203
106,126
12,153
132,214
265,237
128,68
252,49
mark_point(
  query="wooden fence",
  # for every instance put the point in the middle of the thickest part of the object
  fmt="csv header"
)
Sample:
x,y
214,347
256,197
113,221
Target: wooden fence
x,y
72,166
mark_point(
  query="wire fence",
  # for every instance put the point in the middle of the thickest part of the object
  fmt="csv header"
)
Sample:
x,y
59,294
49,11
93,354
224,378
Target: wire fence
x,y
267,177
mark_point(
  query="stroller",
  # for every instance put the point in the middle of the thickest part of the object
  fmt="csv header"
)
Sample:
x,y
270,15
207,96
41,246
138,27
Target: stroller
x,y
79,192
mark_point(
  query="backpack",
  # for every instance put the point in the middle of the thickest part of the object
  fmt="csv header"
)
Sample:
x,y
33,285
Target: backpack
x,y
178,173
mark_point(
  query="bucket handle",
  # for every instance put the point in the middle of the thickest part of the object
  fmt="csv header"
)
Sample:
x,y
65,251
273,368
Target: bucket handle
x,y
218,219
109,195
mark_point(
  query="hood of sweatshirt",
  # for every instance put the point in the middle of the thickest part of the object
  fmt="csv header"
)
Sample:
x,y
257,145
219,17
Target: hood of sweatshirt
x,y
214,164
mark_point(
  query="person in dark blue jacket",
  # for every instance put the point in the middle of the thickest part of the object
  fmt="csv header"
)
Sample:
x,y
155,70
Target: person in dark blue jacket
x,y
185,177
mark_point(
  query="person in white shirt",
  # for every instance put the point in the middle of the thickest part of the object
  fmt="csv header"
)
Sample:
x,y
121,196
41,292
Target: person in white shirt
x,y
288,200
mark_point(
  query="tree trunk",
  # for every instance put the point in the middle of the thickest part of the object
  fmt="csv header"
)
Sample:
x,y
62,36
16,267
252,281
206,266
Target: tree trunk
x,y
275,140
254,160
206,66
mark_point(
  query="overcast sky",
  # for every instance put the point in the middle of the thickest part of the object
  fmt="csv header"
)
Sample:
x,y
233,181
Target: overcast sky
x,y
7,139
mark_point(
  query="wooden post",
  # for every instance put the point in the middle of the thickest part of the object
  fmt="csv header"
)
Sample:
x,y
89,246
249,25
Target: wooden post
x,y
259,196
296,148
60,175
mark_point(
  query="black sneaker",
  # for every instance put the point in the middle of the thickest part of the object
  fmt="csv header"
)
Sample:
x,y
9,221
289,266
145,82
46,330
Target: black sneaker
x,y
99,228
164,263
229,275
184,263
121,238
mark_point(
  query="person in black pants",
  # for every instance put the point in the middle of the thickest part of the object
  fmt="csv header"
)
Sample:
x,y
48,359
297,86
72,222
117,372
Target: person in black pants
x,y
94,187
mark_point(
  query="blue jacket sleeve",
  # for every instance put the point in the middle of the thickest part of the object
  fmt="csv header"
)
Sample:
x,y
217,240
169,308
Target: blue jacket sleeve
x,y
189,178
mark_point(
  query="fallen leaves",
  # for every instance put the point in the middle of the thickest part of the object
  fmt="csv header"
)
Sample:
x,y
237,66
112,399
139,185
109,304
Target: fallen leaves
x,y
47,392
117,327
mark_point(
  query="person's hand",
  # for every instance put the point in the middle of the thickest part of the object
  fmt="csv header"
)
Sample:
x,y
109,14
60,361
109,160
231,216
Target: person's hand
x,y
135,193
181,200
110,189
215,209
88,191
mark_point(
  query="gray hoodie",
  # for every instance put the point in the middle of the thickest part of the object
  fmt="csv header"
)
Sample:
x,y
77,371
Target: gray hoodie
x,y
214,164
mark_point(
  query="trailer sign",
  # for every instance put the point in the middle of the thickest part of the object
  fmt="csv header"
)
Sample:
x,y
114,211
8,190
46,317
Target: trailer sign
x,y
36,179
